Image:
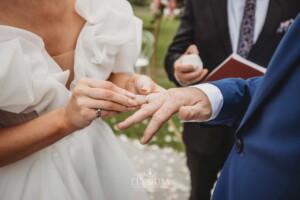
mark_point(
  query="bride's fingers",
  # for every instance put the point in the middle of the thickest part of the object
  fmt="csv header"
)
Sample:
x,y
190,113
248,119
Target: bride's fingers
x,y
95,83
108,113
144,99
106,105
103,113
102,94
141,99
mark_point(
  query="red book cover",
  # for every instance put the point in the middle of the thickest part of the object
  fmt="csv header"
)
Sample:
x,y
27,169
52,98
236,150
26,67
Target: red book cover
x,y
235,66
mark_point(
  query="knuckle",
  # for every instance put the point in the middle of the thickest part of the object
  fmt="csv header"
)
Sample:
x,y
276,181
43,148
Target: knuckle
x,y
135,121
206,113
78,90
168,108
157,118
84,113
79,102
108,85
109,104
82,81
120,108
95,104
172,92
176,98
108,94
188,115
145,111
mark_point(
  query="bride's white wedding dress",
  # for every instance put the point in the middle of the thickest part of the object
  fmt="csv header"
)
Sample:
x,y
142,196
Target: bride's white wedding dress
x,y
88,164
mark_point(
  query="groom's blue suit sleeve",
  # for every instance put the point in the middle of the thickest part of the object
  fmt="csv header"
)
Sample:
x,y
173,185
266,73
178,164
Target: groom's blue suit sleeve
x,y
237,94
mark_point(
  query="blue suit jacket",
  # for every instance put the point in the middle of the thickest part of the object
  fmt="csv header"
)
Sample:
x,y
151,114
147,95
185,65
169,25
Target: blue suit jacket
x,y
264,164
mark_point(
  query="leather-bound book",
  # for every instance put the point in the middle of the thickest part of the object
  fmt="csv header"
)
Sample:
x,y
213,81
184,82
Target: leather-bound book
x,y
235,66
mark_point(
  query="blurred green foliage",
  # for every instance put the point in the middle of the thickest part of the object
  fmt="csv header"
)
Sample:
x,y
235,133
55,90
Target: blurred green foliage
x,y
140,2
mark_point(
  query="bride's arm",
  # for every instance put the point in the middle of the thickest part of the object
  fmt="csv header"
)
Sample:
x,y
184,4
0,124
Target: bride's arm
x,y
20,141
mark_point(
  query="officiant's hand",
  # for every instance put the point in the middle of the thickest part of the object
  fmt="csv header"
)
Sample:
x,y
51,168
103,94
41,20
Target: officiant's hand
x,y
187,74
191,103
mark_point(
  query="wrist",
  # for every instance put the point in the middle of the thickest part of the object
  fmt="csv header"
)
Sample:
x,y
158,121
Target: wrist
x,y
64,124
214,96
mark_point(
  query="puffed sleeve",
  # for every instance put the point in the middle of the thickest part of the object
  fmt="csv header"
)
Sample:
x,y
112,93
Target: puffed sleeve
x,y
110,41
29,79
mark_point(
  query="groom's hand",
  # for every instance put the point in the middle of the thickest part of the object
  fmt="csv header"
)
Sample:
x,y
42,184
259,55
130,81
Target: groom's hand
x,y
191,103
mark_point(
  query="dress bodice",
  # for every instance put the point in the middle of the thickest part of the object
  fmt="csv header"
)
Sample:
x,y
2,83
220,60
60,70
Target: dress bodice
x,y
84,165
66,62
32,82
10,119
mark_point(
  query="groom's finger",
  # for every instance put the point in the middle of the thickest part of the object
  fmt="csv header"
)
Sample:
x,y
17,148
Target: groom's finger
x,y
158,119
139,116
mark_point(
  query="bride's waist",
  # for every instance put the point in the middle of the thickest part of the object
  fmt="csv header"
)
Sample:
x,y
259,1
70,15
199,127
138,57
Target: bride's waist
x,y
8,119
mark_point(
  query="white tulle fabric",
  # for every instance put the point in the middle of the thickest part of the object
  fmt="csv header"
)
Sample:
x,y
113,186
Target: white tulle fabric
x,y
29,78
88,164
107,44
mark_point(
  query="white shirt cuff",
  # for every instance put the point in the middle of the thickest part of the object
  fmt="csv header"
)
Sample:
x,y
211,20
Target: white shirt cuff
x,y
215,97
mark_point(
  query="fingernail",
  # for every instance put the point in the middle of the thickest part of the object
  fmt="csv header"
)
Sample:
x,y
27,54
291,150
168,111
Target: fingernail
x,y
143,91
131,95
119,126
132,103
143,140
131,108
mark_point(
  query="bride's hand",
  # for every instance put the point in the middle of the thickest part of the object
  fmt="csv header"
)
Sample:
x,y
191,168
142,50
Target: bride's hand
x,y
90,94
141,84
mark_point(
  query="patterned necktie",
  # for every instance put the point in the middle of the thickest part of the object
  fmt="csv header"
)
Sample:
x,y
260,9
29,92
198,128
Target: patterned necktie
x,y
246,36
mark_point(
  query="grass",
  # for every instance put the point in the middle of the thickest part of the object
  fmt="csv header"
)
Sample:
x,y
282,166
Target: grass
x,y
166,136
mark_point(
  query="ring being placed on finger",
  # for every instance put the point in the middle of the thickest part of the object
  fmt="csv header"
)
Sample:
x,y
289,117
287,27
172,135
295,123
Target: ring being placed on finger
x,y
147,99
98,112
